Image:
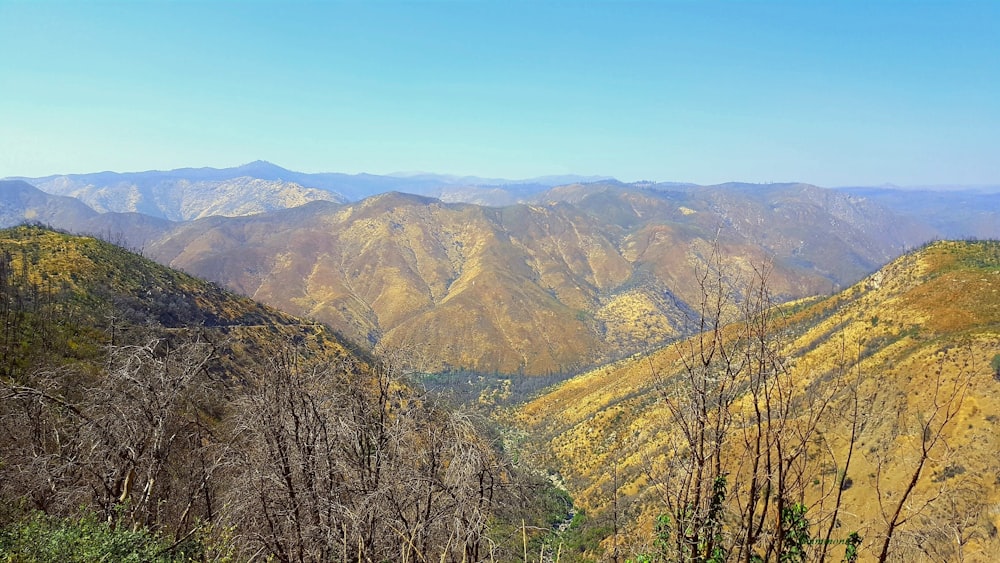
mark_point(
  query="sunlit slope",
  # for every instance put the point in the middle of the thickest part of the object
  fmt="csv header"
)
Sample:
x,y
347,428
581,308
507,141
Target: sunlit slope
x,y
584,275
935,311
68,296
506,289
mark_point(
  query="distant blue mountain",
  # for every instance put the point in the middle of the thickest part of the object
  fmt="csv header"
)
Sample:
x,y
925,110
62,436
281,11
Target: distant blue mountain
x,y
954,212
344,187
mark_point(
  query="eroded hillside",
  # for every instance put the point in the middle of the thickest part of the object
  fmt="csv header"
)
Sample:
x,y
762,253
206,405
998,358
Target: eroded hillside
x,y
587,274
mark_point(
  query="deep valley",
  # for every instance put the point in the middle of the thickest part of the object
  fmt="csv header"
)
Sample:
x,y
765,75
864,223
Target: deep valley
x,y
590,370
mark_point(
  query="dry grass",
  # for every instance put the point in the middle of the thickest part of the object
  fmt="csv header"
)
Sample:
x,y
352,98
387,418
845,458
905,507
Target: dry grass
x,y
935,313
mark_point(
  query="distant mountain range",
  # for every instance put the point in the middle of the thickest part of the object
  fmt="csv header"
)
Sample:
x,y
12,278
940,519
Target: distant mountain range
x,y
518,277
953,213
190,193
181,195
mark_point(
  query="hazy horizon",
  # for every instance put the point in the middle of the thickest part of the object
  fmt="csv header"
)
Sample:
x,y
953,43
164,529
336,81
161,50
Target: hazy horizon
x,y
852,94
497,181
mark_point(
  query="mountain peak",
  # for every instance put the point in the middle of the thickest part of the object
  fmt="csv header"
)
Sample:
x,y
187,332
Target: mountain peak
x,y
258,162
264,170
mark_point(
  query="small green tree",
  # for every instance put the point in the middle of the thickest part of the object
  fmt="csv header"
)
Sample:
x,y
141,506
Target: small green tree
x,y
795,533
851,551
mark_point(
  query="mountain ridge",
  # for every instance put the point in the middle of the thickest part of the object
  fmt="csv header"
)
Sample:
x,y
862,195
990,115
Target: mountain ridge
x,y
340,186
608,265
610,282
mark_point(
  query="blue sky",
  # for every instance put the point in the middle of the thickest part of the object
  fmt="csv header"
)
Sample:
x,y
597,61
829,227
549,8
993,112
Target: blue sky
x,y
831,93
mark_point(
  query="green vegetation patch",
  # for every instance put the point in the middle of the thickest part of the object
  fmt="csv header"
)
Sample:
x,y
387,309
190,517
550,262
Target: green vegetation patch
x,y
962,255
87,539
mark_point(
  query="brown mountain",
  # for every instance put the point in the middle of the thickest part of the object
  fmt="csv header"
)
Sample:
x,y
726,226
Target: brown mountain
x,y
21,203
478,287
588,273
584,274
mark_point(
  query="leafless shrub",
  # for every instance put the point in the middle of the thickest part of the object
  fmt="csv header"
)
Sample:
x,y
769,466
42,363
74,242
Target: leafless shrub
x,y
132,441
346,461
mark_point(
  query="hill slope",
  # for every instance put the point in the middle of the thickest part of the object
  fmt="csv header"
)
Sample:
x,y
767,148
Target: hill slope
x,y
906,338
69,296
466,282
140,397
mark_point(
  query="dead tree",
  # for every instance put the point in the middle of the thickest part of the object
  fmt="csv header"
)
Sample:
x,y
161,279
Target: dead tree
x,y
134,441
340,460
745,433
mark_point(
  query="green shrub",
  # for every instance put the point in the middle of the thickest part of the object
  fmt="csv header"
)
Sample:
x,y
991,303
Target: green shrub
x,y
46,539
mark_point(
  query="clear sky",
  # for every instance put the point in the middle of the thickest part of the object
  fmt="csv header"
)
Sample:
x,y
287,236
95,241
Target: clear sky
x,y
831,93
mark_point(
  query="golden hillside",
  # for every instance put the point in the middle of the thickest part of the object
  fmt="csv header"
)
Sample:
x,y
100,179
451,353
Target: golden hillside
x,y
511,289
915,340
585,275
67,297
